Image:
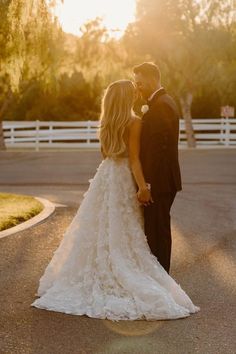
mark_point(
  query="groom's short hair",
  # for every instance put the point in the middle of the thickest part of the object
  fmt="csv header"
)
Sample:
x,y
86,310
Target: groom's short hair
x,y
148,69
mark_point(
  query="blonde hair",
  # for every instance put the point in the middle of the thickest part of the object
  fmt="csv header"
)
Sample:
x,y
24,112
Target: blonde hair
x,y
116,111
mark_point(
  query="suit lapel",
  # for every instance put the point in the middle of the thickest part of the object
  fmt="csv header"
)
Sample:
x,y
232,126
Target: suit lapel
x,y
159,93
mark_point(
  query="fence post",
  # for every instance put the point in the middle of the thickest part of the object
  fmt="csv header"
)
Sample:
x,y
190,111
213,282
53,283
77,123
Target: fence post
x,y
12,140
88,131
50,132
37,135
227,131
222,132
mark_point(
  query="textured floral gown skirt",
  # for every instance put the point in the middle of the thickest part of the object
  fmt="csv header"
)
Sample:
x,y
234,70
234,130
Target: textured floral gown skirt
x,y
103,267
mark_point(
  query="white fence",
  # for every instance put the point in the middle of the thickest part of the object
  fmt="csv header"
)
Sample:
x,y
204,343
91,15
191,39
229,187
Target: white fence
x,y
37,134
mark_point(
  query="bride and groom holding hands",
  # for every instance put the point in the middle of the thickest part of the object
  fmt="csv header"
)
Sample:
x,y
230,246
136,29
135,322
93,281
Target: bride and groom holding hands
x,y
114,259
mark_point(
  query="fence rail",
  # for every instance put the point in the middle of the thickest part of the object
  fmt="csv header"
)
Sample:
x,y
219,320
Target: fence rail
x,y
212,132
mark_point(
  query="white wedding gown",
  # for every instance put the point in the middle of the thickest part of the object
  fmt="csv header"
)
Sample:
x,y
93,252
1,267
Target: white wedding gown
x,y
103,267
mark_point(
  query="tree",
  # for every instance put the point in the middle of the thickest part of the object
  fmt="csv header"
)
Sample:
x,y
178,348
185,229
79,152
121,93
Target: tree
x,y
29,47
187,39
101,58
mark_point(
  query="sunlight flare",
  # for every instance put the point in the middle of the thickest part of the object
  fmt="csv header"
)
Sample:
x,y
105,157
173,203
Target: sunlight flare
x,y
116,15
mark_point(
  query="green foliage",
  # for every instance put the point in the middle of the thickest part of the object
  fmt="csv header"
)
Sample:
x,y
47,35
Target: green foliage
x,y
192,41
100,57
75,99
95,61
31,47
46,74
29,38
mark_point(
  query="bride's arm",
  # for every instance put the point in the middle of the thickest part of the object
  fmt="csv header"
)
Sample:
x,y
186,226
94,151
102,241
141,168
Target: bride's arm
x,y
144,194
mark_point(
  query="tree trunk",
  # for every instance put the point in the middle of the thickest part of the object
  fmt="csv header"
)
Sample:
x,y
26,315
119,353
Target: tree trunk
x,y
2,141
186,103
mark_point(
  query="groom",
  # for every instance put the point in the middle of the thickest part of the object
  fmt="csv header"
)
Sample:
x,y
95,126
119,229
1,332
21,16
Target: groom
x,y
159,159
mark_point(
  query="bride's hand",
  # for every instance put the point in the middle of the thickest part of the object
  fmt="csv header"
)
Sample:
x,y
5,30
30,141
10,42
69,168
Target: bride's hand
x,y
144,196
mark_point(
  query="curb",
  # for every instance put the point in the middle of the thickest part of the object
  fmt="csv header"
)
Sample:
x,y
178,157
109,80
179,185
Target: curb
x,y
48,209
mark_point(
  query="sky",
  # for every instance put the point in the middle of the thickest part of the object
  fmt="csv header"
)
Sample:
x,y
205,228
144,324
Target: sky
x,y
116,14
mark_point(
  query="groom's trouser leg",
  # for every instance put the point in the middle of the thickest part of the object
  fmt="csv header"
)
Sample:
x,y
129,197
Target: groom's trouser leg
x,y
158,228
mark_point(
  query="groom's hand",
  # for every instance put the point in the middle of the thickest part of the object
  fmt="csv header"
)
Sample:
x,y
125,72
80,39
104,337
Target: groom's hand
x,y
144,196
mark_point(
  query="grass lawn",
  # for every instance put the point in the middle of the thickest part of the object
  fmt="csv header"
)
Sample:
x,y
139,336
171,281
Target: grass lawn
x,y
14,209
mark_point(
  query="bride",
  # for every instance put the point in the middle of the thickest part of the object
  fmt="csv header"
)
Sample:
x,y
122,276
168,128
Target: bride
x,y
103,267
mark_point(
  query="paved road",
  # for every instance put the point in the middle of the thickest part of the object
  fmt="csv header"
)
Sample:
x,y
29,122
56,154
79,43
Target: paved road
x,y
203,260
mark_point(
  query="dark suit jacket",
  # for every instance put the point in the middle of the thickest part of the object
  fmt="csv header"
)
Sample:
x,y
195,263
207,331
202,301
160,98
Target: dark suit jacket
x,y
159,144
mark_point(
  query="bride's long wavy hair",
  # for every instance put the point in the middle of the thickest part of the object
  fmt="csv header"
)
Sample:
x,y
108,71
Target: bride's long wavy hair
x,y
116,111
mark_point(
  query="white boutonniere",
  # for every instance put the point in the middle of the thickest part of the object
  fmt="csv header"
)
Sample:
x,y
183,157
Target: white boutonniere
x,y
144,108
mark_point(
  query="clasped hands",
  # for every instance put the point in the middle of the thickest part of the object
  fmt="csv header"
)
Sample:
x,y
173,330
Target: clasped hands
x,y
144,196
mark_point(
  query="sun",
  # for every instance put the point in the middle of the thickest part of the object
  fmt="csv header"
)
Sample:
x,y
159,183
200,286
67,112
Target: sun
x,y
116,14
